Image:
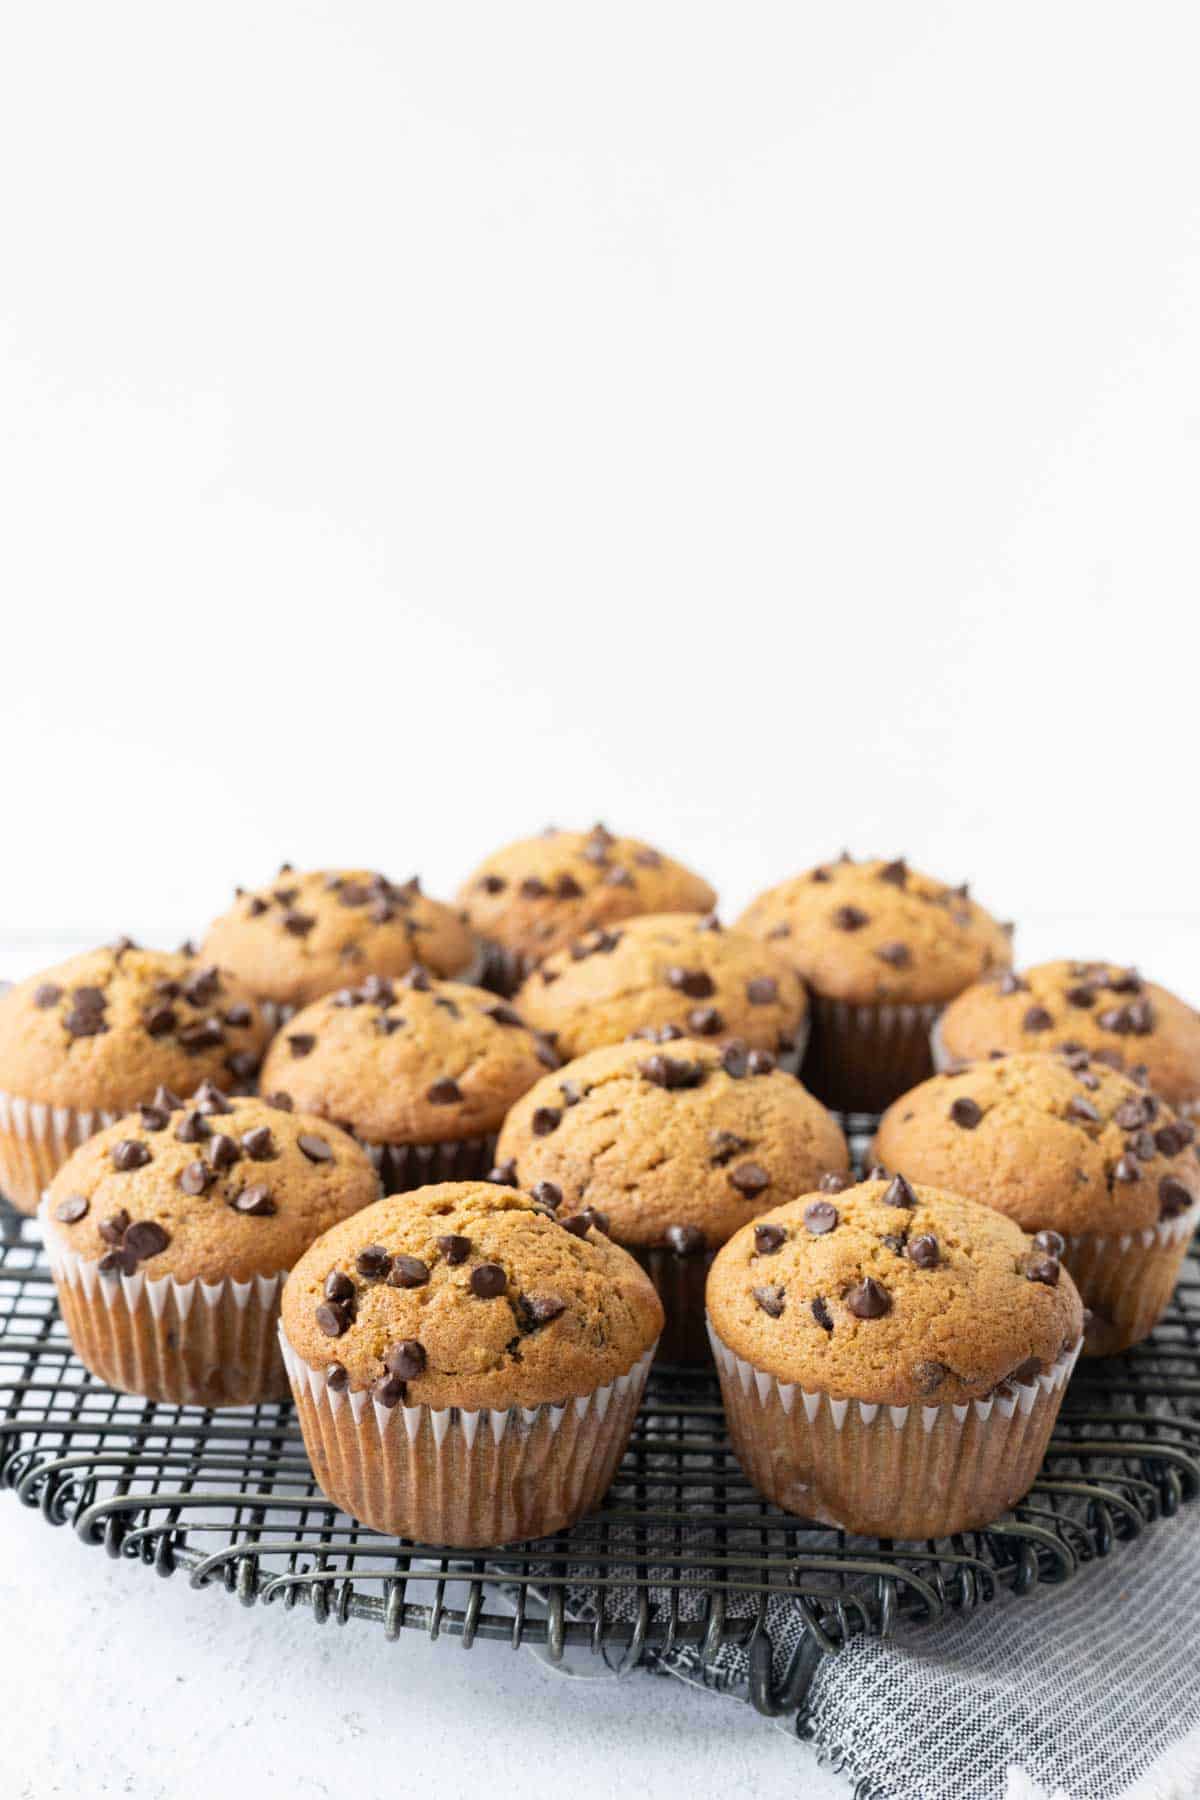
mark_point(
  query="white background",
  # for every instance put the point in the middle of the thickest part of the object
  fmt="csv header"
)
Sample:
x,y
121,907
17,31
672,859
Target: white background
x,y
765,427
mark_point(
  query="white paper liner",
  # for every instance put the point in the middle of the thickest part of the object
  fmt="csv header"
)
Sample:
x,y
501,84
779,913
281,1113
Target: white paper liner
x,y
191,1343
35,1141
906,1472
1126,1279
473,1478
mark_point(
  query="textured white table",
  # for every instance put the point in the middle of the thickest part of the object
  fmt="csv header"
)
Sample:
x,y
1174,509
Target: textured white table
x,y
117,1683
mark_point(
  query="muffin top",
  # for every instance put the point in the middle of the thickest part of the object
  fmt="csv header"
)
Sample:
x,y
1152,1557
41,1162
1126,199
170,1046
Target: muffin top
x,y
1111,1012
104,1029
308,933
468,1295
207,1187
667,975
415,1061
541,894
892,1294
677,1147
865,931
1059,1143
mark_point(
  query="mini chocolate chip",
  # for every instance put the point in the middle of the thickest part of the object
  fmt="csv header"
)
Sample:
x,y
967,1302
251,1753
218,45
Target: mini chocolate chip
x,y
196,1178
671,1072
1081,1111
1036,1019
923,1251
129,1153
223,1151
540,1309
159,1020
153,1118
750,1178
455,1249
1143,1146
445,1092
259,1144
47,994
505,1174
685,1240
966,1112
1080,996
895,954
406,1359
255,1202
242,1065
113,1229
388,1390
192,1128
878,1172
504,1015
145,1239
1044,1269
928,1376
770,1299
723,1145
705,1021
72,1209
821,1216
869,1300
299,924
580,1223
896,873
373,1262
762,990
850,918
90,999
211,1101
1173,1197
492,884
301,1043
760,1062
735,1060
1051,1242
549,1194
833,1183
316,1149
203,1034
283,1103
1170,1140
821,1313
533,889
238,1014
408,1272
545,1120
118,1261
769,1239
337,1376
81,1023
618,876
338,1286
898,1193
1126,1169
697,984
488,1281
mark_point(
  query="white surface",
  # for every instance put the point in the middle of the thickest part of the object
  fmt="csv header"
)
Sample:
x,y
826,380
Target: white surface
x,y
763,428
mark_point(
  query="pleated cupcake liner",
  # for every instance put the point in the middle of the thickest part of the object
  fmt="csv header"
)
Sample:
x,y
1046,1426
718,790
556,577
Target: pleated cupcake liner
x,y
908,1472
862,1056
1126,1279
35,1141
189,1343
403,1167
680,1283
470,1478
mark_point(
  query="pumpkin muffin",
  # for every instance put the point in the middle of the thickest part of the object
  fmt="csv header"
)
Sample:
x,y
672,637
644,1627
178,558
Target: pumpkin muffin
x,y
83,1042
543,893
671,1151
467,1369
1103,1171
882,949
308,933
892,1358
421,1071
1111,1012
666,976
169,1235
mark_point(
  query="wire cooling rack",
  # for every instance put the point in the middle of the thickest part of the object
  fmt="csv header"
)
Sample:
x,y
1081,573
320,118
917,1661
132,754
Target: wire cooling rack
x,y
683,1561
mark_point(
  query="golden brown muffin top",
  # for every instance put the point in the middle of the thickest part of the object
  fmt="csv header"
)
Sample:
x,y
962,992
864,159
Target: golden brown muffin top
x,y
105,1028
542,893
415,1061
676,1146
1107,1010
469,1295
871,931
208,1187
892,1294
670,974
1058,1143
309,932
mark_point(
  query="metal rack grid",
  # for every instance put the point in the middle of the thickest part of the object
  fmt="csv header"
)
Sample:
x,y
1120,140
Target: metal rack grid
x,y
683,1560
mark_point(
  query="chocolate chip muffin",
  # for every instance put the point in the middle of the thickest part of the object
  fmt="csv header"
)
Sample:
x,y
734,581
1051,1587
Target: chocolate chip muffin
x,y
544,893
421,1071
882,948
466,1368
671,1151
663,977
307,934
892,1358
170,1232
1104,1172
82,1043
1111,1012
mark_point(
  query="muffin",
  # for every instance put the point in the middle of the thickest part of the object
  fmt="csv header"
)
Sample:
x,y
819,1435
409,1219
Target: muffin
x,y
466,1371
543,893
421,1071
672,1151
169,1235
308,933
882,949
892,1358
1110,1012
82,1043
1104,1172
666,976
